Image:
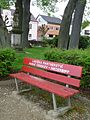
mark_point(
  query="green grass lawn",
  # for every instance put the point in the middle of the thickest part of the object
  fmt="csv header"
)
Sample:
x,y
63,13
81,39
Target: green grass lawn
x,y
36,52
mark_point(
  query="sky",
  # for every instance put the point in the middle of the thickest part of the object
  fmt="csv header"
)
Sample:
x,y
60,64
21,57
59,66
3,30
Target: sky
x,y
61,6
36,10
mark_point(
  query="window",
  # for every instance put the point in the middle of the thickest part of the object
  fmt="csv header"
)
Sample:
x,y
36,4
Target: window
x,y
87,32
57,28
30,35
51,36
30,26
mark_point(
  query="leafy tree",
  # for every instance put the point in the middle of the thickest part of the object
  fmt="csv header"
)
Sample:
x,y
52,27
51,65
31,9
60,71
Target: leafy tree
x,y
85,24
42,30
75,7
4,4
47,5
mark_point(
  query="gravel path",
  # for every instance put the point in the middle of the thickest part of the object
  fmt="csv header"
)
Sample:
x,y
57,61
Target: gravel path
x,y
16,107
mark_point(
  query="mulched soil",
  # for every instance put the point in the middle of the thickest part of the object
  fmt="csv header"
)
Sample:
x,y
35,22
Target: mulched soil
x,y
34,106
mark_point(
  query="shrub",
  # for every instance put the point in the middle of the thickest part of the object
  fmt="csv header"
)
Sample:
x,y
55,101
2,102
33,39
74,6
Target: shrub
x,y
7,56
74,57
51,42
84,42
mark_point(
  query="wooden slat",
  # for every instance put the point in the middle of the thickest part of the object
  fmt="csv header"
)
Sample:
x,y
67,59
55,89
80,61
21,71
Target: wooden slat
x,y
56,77
71,70
46,85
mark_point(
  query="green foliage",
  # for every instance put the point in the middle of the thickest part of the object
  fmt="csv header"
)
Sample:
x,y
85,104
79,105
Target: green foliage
x,y
6,3
74,57
51,42
47,5
85,24
7,57
84,42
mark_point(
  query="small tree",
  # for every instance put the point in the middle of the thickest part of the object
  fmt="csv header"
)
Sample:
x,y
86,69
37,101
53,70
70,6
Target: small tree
x,y
42,30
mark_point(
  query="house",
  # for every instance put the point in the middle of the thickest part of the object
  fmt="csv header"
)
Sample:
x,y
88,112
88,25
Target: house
x,y
52,23
32,29
86,31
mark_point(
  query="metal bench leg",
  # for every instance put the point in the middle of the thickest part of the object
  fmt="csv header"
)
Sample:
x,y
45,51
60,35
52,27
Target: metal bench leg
x,y
54,101
29,85
17,88
69,102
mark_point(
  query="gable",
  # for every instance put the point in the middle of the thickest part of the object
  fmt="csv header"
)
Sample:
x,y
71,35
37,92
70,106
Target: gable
x,y
41,20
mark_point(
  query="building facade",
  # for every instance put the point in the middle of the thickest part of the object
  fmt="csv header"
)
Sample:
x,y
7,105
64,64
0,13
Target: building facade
x,y
51,23
86,31
32,35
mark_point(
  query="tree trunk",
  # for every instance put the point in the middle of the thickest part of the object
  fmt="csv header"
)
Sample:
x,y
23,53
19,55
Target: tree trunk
x,y
20,17
4,36
17,23
19,9
25,23
65,24
76,27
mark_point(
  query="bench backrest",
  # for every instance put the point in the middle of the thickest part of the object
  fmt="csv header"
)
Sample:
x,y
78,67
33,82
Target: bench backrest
x,y
69,70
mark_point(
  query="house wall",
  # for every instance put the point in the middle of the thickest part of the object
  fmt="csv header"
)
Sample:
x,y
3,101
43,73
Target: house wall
x,y
86,31
53,30
32,31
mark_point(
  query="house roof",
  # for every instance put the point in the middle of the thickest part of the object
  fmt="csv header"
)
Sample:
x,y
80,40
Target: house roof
x,y
33,18
49,19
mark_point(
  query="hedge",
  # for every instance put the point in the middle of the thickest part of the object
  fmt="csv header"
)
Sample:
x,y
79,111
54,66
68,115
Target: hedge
x,y
84,42
74,57
7,57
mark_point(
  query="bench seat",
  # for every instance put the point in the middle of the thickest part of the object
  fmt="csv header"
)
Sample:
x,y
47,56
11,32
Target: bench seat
x,y
57,78
46,85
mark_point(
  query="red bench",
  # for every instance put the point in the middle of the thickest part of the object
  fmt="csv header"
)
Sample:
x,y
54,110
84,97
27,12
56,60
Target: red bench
x,y
39,69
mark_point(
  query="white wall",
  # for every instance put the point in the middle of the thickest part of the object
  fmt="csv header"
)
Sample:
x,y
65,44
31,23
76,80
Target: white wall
x,y
33,31
86,29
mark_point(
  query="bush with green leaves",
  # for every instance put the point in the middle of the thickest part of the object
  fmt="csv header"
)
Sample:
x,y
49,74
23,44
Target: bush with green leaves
x,y
51,42
84,42
74,57
7,57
